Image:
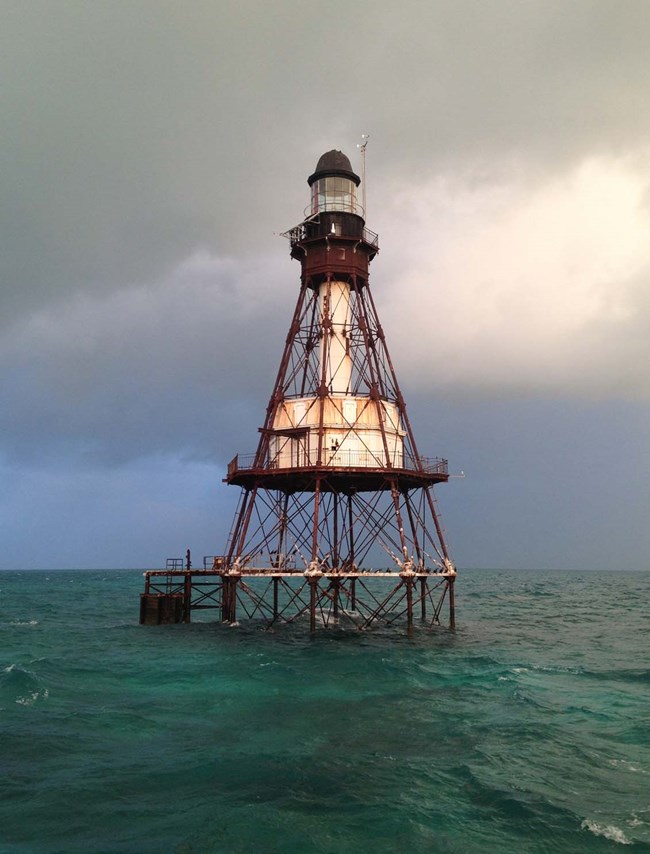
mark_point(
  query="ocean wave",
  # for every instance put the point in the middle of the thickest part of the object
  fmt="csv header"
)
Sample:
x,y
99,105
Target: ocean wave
x,y
627,766
635,821
34,697
23,622
609,831
21,685
15,672
555,669
632,675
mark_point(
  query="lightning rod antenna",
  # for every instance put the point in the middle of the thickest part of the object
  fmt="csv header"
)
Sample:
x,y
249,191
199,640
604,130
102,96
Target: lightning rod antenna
x,y
362,148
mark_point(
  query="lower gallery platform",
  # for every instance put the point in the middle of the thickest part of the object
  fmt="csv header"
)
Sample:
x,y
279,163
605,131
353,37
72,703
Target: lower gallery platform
x,y
360,599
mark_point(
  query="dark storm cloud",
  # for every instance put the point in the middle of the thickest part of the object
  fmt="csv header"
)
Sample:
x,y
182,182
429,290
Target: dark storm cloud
x,y
134,131
147,370
151,152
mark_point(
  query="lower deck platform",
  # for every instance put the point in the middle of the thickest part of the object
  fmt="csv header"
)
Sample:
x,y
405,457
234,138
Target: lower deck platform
x,y
359,599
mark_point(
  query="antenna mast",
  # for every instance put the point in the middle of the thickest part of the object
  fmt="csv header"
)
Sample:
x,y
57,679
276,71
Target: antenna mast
x,y
362,148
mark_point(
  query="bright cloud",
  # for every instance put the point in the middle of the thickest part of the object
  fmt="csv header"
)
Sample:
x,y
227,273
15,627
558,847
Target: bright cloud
x,y
541,288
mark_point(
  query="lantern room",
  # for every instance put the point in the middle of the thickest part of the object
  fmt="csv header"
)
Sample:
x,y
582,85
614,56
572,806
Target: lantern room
x,y
334,185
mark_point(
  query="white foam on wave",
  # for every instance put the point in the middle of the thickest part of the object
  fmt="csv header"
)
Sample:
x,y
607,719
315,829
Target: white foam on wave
x,y
609,831
558,668
30,699
623,763
23,622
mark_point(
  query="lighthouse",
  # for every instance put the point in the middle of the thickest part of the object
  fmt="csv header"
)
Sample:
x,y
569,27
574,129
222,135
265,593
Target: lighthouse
x,y
337,520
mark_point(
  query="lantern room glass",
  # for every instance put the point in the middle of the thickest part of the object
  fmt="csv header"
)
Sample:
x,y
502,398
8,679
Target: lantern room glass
x,y
334,194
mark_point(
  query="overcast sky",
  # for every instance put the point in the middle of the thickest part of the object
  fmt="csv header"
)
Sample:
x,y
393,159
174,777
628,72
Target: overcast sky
x,y
151,154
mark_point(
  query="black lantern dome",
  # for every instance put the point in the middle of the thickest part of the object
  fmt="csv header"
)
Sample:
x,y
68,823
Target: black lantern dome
x,y
334,185
336,164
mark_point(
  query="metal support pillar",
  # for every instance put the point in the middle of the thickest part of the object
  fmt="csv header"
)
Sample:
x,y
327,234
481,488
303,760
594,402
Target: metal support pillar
x,y
423,598
225,595
232,598
452,606
409,604
187,597
276,582
313,583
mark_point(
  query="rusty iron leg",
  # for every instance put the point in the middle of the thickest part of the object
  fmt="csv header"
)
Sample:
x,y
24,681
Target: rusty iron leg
x,y
225,595
233,599
312,605
452,605
336,593
409,604
187,598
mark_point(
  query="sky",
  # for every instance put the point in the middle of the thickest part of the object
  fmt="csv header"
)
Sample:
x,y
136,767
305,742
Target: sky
x,y
151,155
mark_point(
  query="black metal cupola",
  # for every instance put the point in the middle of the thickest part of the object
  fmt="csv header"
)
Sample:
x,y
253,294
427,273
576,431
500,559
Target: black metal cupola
x,y
333,234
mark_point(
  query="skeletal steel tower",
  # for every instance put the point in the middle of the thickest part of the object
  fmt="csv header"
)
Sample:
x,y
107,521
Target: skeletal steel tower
x,y
337,483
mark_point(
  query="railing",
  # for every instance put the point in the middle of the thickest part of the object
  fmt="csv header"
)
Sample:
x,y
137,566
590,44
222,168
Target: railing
x,y
233,465
338,205
341,459
297,234
370,237
279,560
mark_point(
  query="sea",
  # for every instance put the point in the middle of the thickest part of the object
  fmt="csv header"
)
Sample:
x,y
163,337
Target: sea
x,y
527,729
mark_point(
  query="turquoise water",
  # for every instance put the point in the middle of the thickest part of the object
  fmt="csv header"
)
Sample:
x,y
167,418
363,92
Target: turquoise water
x,y
526,730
